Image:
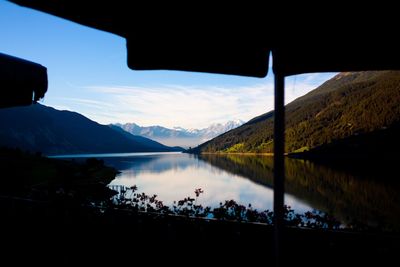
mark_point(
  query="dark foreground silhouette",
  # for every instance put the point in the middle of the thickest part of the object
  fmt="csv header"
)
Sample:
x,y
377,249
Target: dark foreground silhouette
x,y
40,234
66,221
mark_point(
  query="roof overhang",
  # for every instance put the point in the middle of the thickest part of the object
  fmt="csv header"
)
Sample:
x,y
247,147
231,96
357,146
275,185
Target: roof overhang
x,y
22,82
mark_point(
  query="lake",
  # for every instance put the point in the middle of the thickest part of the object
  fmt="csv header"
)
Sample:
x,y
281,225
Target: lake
x,y
350,196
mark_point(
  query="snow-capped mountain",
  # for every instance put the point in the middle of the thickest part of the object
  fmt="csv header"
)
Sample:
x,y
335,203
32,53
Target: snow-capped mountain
x,y
216,129
179,136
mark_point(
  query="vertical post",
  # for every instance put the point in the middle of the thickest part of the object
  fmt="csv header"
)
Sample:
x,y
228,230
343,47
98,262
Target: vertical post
x,y
279,142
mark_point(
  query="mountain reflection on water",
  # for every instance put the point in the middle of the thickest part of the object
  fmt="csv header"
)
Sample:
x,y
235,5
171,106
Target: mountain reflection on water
x,y
175,176
351,196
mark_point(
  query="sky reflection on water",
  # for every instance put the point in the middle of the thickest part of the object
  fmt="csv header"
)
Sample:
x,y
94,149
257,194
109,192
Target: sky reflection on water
x,y
176,176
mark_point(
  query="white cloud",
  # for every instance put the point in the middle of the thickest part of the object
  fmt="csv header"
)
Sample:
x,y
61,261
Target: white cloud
x,y
88,102
191,107
185,106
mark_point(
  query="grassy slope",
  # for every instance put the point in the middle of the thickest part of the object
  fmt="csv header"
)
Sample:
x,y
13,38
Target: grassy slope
x,y
349,104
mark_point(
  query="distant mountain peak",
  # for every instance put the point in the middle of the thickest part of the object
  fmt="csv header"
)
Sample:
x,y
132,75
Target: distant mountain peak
x,y
177,128
179,136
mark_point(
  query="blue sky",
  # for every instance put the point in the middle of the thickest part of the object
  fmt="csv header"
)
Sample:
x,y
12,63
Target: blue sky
x,y
88,74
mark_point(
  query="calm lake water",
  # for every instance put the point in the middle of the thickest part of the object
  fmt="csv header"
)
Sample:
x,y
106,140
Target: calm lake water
x,y
348,195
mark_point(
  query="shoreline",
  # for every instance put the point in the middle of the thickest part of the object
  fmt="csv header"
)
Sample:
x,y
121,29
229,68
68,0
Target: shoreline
x,y
240,153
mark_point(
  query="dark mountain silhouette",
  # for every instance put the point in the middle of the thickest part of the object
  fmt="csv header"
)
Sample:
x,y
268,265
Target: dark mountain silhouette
x,y
347,106
50,131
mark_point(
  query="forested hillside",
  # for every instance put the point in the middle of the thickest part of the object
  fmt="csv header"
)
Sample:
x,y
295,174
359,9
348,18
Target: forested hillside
x,y
347,105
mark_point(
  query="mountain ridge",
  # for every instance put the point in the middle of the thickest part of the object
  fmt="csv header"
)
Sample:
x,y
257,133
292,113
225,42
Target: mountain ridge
x,y
50,131
346,105
179,135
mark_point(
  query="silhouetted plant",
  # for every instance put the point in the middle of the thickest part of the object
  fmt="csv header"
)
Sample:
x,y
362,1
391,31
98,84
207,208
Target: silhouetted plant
x,y
293,219
228,210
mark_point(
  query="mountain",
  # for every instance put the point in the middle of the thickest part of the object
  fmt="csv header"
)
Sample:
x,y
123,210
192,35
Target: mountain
x,y
348,105
178,135
50,131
